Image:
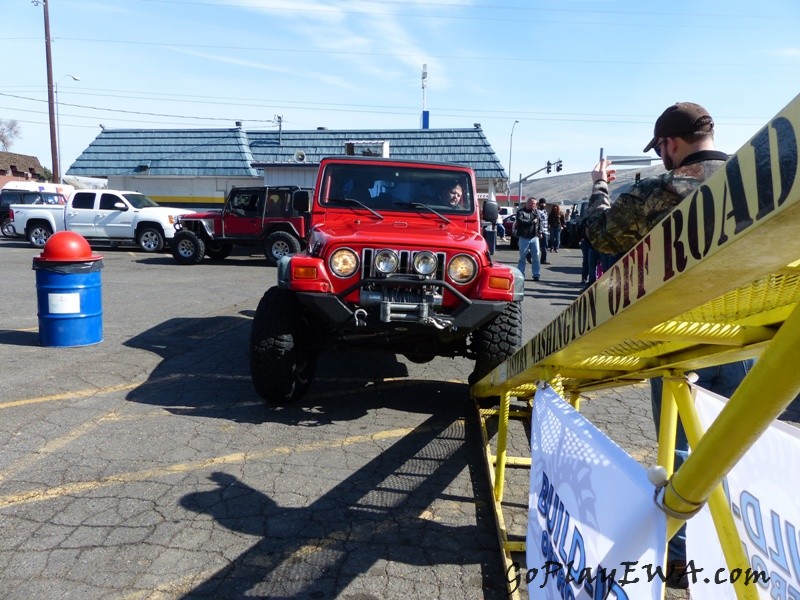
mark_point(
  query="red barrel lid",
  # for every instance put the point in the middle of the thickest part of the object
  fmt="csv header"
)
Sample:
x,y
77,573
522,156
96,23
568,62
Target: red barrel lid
x,y
67,246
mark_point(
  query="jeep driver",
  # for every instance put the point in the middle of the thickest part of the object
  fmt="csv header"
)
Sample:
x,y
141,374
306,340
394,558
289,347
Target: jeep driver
x,y
393,264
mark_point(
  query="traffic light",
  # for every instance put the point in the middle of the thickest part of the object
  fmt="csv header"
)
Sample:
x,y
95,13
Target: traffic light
x,y
549,166
558,165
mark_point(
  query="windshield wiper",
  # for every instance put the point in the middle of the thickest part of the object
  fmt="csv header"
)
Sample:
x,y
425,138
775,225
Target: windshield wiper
x,y
354,201
426,207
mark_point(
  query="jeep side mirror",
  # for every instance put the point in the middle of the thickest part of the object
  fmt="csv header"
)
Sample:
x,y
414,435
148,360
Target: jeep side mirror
x,y
490,211
301,200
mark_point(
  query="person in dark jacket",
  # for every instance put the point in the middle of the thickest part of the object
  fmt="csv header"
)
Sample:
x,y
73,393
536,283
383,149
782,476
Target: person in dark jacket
x,y
683,138
527,227
557,222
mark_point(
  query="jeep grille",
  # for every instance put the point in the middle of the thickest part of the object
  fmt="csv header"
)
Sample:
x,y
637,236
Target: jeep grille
x,y
406,264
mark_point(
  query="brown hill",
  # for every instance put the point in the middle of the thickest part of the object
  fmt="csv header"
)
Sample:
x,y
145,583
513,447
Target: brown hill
x,y
568,189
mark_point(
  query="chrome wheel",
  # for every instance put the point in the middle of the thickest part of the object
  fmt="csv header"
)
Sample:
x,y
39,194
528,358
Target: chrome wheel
x,y
38,235
151,240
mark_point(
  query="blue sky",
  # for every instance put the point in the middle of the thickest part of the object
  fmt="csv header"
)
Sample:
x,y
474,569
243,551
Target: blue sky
x,y
577,75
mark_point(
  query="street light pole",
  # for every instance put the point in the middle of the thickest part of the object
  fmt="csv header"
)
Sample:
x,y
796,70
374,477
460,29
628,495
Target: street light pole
x,y
510,146
57,174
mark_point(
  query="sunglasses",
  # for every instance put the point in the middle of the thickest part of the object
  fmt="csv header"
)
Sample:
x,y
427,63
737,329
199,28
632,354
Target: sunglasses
x,y
657,147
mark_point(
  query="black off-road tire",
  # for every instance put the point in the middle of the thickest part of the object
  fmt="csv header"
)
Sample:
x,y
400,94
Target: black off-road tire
x,y
187,247
278,245
497,340
282,361
150,238
219,250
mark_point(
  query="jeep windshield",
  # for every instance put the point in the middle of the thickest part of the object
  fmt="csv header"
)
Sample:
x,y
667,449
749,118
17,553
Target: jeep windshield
x,y
140,201
398,188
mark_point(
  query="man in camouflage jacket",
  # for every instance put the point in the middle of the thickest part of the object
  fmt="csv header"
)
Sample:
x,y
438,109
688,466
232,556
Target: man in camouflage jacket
x,y
684,140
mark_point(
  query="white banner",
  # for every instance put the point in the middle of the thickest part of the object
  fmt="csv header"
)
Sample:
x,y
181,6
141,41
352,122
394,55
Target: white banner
x,y
593,529
764,497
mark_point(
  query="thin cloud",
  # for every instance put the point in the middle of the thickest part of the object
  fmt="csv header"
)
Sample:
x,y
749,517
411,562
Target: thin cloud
x,y
788,52
355,29
322,77
104,7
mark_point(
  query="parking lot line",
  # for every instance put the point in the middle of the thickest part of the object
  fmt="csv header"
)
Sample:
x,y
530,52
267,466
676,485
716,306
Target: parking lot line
x,y
52,445
79,487
71,395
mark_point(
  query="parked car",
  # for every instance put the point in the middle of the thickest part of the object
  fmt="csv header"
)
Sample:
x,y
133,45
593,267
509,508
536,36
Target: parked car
x,y
252,216
27,193
100,215
577,212
508,223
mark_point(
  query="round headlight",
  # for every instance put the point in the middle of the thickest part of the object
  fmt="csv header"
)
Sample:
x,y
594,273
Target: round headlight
x,y
462,268
344,262
425,262
386,261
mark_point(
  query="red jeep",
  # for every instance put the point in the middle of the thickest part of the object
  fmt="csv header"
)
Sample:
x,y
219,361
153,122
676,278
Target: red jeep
x,y
396,261
252,216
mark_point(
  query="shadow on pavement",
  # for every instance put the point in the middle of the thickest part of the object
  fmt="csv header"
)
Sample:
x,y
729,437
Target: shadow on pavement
x,y
399,508
385,511
13,337
205,372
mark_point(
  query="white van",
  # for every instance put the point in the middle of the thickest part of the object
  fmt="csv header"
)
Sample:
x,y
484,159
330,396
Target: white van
x,y
40,186
28,192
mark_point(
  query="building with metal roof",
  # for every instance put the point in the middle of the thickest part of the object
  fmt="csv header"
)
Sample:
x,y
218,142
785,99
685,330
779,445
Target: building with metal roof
x,y
199,166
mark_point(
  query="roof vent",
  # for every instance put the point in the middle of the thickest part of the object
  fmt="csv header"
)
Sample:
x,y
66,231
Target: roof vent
x,y
238,124
322,129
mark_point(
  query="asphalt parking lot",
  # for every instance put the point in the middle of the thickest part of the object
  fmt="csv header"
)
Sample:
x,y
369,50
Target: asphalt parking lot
x,y
145,466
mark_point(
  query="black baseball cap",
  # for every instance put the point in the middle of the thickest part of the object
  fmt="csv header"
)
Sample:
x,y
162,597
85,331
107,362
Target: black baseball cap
x,y
680,119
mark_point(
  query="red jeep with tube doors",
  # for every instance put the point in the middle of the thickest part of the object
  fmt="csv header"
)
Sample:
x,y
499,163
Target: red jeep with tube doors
x,y
252,216
392,264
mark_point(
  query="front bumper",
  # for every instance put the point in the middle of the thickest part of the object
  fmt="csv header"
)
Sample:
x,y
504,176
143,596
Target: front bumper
x,y
388,308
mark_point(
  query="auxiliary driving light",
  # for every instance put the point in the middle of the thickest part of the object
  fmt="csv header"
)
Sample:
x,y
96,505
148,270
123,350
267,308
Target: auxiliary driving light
x,y
425,263
386,261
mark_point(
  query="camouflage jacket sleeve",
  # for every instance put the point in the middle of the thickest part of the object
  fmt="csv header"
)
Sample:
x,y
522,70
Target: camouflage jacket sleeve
x,y
615,228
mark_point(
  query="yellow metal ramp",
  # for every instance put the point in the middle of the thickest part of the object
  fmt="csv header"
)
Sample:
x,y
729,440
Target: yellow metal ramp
x,y
716,281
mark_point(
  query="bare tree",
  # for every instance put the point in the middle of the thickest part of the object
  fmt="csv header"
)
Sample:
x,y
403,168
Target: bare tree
x,y
9,130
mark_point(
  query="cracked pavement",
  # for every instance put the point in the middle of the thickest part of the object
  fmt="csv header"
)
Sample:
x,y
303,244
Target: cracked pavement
x,y
146,466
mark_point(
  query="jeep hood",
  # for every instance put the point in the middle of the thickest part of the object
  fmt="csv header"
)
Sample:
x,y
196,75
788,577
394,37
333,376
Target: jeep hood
x,y
213,213
163,210
395,231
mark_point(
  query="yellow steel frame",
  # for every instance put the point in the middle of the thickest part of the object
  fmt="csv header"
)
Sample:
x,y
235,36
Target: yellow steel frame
x,y
716,281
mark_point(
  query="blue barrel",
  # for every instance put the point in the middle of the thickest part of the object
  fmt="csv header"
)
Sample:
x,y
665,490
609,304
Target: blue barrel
x,y
69,292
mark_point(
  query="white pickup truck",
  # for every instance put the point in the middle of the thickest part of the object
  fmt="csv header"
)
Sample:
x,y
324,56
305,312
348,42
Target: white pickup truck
x,y
99,215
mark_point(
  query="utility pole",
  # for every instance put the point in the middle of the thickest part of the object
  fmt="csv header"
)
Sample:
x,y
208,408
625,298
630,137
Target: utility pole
x,y
51,104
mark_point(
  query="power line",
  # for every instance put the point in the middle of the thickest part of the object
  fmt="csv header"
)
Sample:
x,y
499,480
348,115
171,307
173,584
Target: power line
x,y
137,112
468,57
449,6
566,117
